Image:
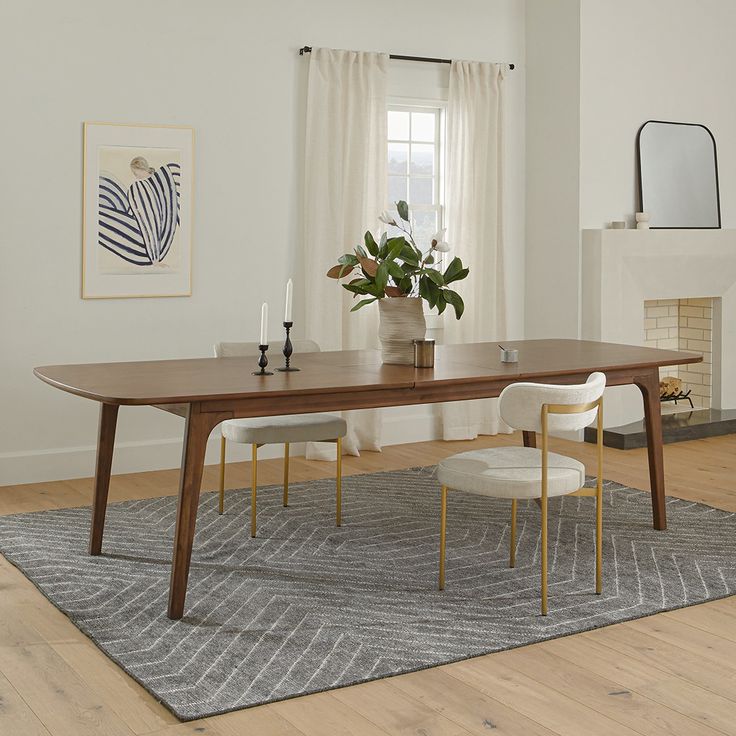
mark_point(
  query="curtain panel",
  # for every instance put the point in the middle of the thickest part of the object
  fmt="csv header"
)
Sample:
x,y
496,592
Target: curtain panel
x,y
475,227
344,191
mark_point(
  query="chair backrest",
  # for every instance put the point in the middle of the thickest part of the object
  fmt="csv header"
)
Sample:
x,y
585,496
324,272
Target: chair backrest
x,y
246,349
520,404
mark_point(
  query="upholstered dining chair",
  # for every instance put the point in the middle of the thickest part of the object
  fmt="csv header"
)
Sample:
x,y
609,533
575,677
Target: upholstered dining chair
x,y
526,472
259,431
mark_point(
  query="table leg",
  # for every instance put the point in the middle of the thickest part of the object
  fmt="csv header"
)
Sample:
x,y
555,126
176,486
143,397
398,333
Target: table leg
x,y
649,386
198,428
105,445
530,439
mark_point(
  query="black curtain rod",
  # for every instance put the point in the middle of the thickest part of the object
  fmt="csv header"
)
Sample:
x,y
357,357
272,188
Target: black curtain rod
x,y
306,49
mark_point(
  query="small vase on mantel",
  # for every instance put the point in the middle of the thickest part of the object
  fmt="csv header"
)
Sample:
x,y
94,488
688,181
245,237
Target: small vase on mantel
x,y
401,322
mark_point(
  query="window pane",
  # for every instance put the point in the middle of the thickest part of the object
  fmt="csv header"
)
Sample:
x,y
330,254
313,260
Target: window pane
x,y
398,154
423,126
396,188
422,158
398,125
421,191
425,226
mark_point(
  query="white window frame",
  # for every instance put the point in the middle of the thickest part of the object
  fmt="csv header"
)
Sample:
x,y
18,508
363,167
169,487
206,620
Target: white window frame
x,y
404,104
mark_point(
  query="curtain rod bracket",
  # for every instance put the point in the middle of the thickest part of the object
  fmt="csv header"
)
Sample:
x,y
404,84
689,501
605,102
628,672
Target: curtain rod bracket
x,y
307,49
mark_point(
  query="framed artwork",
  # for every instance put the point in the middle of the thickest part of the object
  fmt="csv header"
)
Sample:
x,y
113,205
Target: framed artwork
x,y
137,213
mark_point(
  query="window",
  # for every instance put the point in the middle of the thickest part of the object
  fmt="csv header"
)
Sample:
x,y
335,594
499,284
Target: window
x,y
416,166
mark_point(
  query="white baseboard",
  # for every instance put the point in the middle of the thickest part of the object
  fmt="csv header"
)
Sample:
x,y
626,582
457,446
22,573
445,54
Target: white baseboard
x,y
412,424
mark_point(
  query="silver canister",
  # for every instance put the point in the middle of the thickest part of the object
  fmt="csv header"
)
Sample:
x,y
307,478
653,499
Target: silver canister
x,y
423,353
509,355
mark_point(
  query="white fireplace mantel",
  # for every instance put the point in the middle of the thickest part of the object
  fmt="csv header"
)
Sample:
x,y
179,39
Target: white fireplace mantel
x,y
621,269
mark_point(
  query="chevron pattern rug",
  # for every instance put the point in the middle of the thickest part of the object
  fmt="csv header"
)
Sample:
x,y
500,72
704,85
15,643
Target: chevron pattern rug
x,y
307,607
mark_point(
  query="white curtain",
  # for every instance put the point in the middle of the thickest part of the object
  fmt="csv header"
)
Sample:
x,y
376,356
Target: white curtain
x,y
475,227
344,192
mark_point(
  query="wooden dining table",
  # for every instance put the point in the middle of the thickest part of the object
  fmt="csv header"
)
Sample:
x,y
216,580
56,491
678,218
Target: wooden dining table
x,y
208,391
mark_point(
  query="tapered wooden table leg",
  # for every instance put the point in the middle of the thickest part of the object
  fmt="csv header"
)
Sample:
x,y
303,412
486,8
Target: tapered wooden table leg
x,y
105,445
648,384
530,439
192,462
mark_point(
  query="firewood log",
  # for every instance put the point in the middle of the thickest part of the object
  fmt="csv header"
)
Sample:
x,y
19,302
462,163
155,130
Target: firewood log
x,y
670,385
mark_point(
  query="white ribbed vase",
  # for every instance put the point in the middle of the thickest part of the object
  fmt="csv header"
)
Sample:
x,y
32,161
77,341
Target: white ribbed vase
x,y
402,321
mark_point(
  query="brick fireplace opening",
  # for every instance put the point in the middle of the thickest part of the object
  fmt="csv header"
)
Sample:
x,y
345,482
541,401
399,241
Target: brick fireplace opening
x,y
683,324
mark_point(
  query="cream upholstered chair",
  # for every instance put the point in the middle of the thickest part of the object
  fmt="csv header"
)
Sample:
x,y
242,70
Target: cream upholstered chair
x,y
260,431
526,472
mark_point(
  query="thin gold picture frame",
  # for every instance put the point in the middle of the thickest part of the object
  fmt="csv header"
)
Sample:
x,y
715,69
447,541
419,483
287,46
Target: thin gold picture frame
x,y
86,126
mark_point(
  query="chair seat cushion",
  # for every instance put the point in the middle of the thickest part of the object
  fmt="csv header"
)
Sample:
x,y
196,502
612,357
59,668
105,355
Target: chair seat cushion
x,y
275,430
510,472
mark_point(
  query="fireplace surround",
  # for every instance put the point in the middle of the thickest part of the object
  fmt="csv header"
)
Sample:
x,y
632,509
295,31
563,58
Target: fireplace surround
x,y
630,277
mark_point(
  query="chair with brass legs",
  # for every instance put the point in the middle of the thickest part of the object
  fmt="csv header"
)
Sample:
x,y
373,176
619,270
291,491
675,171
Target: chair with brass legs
x,y
529,473
259,431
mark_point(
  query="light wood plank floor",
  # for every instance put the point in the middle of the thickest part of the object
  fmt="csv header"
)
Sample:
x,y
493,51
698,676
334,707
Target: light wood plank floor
x,y
672,674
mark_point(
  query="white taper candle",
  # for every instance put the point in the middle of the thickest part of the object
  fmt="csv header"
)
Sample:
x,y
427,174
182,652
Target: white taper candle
x,y
287,306
264,324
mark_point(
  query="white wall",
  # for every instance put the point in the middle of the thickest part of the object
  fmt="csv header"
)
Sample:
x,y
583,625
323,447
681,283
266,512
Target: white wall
x,y
230,69
597,70
659,59
552,168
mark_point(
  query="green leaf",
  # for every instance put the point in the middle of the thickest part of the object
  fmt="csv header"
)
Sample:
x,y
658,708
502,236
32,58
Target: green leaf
x,y
395,270
452,297
348,260
435,275
429,260
383,247
455,271
434,294
409,255
360,251
370,244
403,210
362,303
441,302
428,290
424,288
406,285
357,288
382,277
395,246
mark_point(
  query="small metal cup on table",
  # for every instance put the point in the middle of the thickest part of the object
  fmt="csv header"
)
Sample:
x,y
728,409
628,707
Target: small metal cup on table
x,y
423,353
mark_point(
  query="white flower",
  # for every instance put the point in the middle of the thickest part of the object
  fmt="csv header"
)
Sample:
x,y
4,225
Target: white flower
x,y
387,218
438,241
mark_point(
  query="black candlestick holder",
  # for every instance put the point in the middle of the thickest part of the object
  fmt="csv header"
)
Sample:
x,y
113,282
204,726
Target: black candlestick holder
x,y
288,350
263,362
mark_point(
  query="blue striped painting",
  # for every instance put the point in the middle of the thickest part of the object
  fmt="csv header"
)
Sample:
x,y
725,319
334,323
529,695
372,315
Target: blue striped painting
x,y
139,225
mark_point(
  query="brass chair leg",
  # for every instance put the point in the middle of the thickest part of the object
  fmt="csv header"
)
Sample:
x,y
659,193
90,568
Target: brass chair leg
x,y
599,541
544,556
223,444
543,506
253,488
443,530
512,540
338,492
286,474
599,506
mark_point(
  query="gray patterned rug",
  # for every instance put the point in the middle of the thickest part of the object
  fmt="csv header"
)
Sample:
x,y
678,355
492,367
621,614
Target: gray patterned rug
x,y
308,607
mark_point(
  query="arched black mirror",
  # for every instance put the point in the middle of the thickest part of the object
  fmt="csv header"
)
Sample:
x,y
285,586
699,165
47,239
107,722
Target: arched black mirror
x,y
678,175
